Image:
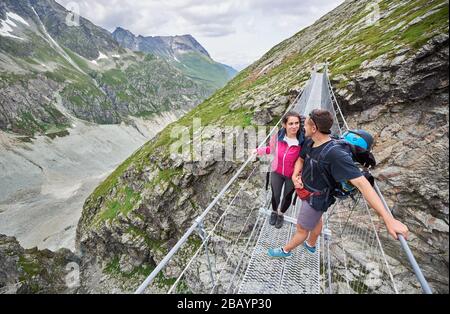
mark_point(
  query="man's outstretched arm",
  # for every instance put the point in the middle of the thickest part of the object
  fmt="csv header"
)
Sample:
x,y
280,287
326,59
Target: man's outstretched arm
x,y
393,225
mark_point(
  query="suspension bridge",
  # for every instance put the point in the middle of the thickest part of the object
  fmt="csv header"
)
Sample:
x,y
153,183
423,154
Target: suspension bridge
x,y
232,236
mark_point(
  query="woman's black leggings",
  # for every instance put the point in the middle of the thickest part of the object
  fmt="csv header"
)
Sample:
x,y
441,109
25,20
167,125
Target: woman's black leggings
x,y
277,182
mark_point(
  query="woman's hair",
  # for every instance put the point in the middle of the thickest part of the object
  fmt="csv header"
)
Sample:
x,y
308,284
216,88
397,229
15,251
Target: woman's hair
x,y
291,114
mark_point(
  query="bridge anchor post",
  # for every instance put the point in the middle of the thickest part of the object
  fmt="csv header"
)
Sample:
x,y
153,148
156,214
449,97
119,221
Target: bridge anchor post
x,y
202,234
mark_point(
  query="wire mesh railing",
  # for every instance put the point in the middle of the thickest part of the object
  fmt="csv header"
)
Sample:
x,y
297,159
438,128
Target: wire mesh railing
x,y
357,259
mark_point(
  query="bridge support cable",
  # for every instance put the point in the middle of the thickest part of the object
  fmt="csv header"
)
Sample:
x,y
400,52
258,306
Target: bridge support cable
x,y
416,268
327,239
258,224
382,251
335,104
326,234
209,236
202,233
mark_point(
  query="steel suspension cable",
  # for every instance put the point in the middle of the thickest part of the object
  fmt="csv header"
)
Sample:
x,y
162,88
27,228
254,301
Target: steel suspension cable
x,y
210,233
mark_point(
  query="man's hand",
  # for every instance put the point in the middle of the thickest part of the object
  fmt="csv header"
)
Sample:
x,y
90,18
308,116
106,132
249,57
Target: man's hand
x,y
395,227
298,183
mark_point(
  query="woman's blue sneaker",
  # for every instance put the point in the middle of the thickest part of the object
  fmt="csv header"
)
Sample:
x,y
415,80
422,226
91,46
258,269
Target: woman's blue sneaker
x,y
311,249
279,253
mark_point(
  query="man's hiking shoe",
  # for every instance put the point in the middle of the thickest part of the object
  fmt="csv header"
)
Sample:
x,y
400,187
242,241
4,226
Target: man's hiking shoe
x,y
273,218
279,222
311,249
279,253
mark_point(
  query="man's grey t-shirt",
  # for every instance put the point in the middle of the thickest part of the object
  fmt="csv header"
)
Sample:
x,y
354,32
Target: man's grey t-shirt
x,y
337,163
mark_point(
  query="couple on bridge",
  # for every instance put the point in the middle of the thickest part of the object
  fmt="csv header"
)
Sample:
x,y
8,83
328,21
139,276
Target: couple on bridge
x,y
306,160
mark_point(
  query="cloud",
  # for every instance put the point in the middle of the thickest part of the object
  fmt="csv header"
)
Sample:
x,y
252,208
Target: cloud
x,y
214,30
209,18
295,7
235,32
206,18
139,15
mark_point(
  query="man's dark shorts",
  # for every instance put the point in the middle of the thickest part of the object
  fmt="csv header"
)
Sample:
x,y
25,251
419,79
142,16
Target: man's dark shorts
x,y
308,217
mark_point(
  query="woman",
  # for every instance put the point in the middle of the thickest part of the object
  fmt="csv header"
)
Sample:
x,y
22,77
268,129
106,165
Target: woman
x,y
286,147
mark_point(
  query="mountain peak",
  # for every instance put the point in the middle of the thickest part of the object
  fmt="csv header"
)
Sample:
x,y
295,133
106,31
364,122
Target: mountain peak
x,y
195,44
160,45
119,30
184,51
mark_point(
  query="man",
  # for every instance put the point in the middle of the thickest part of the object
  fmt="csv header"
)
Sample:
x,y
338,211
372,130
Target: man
x,y
341,167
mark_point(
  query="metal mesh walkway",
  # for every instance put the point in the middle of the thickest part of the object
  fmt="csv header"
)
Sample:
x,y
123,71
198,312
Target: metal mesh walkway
x,y
298,274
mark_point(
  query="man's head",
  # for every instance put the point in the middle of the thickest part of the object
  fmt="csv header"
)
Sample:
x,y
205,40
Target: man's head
x,y
318,121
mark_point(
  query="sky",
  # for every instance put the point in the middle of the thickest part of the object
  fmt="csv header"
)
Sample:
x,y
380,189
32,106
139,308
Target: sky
x,y
234,32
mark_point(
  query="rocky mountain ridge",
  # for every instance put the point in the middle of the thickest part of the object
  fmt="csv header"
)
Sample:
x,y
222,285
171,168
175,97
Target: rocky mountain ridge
x,y
97,80
33,271
169,46
184,52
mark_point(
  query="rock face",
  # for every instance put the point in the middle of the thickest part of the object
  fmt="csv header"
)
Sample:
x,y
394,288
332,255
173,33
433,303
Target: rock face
x,y
19,110
88,40
406,106
33,271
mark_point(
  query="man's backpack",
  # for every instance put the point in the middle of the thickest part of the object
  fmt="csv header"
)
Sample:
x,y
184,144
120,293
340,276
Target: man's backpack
x,y
358,144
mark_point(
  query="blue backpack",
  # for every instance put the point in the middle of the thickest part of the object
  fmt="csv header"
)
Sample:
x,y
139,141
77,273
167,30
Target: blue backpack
x,y
357,143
